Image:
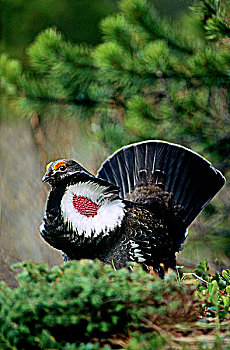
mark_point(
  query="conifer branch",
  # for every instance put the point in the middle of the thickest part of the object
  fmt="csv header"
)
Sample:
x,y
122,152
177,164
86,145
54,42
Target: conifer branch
x,y
142,14
215,17
123,76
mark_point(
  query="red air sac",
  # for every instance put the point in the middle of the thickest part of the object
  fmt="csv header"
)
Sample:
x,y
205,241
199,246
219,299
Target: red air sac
x,y
85,206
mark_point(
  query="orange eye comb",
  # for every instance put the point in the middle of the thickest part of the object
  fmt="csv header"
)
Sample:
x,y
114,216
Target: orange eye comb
x,y
56,166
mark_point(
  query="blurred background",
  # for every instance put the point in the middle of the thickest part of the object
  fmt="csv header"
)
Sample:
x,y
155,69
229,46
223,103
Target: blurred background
x,y
26,147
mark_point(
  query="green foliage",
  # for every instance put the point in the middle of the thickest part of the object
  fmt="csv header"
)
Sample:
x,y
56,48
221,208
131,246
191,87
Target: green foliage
x,y
61,74
214,291
215,17
85,305
81,301
10,71
147,72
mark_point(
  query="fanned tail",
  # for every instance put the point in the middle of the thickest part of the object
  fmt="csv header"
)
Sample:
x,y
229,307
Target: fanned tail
x,y
188,176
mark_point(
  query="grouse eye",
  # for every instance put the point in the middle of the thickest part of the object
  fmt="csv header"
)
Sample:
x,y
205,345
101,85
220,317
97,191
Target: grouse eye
x,y
62,168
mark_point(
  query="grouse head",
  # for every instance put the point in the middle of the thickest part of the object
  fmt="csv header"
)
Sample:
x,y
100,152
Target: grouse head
x,y
62,169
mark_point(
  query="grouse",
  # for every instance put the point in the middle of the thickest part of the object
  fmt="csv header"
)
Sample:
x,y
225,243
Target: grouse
x,y
136,209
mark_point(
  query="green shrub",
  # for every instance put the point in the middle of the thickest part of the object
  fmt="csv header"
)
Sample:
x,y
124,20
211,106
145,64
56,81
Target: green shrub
x,y
85,305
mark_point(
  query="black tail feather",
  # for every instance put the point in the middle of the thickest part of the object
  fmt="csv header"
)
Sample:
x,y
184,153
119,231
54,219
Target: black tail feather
x,y
188,176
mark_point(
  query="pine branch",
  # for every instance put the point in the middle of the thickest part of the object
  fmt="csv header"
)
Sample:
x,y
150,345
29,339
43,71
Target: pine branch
x,y
117,29
215,17
122,78
141,14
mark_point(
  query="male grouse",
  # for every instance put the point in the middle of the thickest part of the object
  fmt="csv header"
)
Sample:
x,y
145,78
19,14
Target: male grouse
x,y
137,208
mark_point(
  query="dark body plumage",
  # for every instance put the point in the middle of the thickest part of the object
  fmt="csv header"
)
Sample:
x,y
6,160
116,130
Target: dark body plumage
x,y
137,208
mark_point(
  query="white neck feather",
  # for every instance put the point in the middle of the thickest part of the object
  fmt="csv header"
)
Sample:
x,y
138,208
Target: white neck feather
x,y
109,215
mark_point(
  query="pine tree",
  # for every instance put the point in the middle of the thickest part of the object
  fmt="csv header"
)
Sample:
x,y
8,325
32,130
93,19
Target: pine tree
x,y
147,76
148,79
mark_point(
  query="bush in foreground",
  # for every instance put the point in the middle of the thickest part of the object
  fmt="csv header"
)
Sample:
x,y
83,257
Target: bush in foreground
x,y
85,305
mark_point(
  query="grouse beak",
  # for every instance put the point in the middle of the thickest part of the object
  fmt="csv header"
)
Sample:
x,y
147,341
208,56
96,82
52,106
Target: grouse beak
x,y
46,177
